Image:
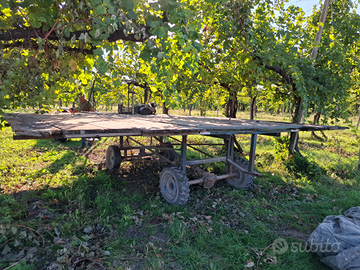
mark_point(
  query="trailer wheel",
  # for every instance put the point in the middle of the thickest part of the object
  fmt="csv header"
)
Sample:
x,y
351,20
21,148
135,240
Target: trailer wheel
x,y
169,154
243,180
174,186
62,140
113,157
145,111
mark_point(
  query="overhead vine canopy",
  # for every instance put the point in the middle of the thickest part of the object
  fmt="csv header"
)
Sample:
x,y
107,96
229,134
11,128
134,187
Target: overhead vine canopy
x,y
44,41
86,24
51,49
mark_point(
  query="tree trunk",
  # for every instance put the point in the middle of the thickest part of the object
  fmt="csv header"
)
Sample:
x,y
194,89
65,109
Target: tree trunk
x,y
165,110
202,111
231,104
92,98
241,107
253,108
294,137
146,95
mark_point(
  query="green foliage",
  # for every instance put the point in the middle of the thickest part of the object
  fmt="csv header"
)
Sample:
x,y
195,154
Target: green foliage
x,y
9,209
103,203
282,147
86,36
24,266
194,53
303,167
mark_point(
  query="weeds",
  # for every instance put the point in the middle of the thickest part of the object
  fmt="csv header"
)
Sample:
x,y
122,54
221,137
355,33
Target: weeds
x,y
302,167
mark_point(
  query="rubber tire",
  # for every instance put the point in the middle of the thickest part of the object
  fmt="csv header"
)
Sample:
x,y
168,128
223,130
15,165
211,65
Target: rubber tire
x,y
137,109
169,154
145,111
244,181
113,157
61,140
174,186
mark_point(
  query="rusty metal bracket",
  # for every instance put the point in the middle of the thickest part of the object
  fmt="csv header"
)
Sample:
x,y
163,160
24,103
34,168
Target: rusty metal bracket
x,y
209,182
207,179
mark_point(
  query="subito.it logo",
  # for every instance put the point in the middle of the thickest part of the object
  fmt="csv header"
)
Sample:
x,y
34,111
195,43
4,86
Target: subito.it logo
x,y
280,246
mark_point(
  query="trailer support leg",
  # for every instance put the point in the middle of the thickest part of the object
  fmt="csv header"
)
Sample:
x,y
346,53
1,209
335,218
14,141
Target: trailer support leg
x,y
121,145
183,153
252,152
230,153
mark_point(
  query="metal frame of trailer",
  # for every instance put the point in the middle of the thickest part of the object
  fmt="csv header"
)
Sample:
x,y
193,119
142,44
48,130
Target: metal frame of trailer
x,y
174,183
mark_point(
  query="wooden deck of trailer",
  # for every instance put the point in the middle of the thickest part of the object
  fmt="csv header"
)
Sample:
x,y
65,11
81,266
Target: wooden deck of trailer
x,y
64,125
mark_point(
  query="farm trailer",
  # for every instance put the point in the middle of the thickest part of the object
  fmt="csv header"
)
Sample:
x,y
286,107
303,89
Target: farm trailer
x,y
174,183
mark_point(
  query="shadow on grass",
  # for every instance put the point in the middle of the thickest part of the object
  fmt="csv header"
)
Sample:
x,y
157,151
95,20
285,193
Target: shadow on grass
x,y
59,164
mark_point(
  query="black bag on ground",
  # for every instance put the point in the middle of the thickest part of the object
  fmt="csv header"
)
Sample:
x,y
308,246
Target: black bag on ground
x,y
337,240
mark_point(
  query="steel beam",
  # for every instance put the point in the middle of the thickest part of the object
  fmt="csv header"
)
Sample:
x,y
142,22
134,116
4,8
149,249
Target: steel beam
x,y
153,152
230,153
183,153
205,161
252,152
218,177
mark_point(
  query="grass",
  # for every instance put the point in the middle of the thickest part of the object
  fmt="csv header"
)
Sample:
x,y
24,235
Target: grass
x,y
85,215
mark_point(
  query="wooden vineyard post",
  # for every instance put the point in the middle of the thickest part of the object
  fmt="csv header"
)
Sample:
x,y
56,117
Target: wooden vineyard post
x,y
294,137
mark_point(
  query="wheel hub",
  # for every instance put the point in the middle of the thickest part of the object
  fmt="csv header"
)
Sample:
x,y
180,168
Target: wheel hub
x,y
170,187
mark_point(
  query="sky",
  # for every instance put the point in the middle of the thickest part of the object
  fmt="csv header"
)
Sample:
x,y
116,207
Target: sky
x,y
307,5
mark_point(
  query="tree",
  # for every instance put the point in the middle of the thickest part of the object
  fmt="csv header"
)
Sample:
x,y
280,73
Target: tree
x,y
54,42
278,47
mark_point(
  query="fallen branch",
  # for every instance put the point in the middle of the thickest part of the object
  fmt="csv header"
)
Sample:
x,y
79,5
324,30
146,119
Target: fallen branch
x,y
269,246
131,258
5,243
88,259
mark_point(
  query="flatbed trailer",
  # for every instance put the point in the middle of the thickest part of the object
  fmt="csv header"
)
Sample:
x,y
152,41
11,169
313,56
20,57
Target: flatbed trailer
x,y
174,183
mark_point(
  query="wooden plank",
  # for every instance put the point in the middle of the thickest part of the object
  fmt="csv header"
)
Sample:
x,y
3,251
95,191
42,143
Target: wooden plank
x,y
92,124
217,123
29,125
149,125
99,135
226,124
111,124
